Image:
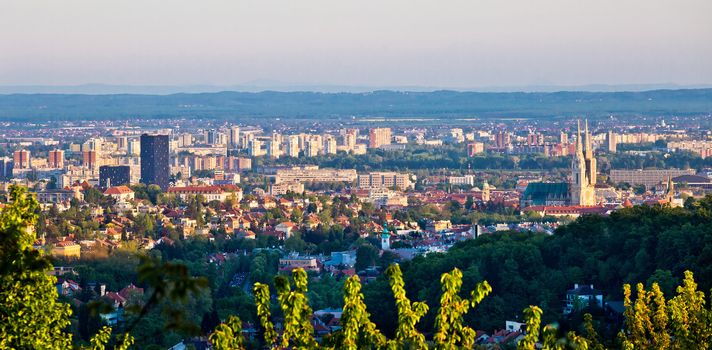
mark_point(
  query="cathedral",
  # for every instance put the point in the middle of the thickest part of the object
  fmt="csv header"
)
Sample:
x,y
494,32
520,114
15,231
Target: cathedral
x,y
581,188
583,171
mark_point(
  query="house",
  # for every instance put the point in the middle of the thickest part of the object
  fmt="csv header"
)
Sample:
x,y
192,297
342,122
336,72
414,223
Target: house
x,y
68,287
287,228
120,193
582,296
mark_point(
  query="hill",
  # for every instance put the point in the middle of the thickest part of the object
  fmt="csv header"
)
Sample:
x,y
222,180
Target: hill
x,y
39,107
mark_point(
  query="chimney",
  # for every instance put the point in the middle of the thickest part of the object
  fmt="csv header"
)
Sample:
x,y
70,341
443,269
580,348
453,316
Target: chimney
x,y
575,285
592,286
102,289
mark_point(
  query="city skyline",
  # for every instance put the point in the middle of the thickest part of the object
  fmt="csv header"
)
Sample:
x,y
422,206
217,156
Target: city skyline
x,y
459,44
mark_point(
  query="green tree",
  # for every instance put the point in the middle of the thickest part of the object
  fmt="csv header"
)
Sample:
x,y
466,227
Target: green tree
x,y
30,315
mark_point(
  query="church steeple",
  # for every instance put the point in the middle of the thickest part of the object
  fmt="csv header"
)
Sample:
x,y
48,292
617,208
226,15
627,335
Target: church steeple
x,y
587,137
578,138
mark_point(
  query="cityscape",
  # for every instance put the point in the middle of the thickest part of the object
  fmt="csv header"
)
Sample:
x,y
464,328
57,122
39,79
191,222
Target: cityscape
x,y
349,214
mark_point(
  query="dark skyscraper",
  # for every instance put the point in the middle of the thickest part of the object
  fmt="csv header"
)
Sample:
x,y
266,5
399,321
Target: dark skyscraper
x,y
114,176
154,160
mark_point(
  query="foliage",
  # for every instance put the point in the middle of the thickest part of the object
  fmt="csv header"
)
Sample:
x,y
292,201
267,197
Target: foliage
x,y
681,323
228,336
451,332
30,315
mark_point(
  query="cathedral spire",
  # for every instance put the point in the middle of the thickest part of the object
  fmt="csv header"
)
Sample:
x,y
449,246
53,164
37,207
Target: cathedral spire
x,y
589,149
578,137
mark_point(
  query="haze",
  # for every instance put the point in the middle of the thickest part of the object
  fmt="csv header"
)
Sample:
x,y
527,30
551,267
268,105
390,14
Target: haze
x,y
455,44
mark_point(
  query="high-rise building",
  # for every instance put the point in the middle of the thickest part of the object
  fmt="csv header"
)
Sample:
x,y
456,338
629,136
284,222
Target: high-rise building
x,y
235,136
89,159
611,142
475,148
210,137
134,148
535,139
312,147
350,140
502,140
110,176
154,160
293,146
330,145
273,149
583,171
56,159
378,137
6,166
246,139
122,142
255,149
22,159
563,138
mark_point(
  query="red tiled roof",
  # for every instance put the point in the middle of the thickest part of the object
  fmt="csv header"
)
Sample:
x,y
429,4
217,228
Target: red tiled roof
x,y
118,190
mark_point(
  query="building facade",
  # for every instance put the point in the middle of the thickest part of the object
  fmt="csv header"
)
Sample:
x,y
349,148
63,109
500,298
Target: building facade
x,y
114,176
155,167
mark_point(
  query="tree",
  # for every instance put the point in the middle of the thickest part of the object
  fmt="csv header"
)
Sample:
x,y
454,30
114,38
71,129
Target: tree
x,y
30,315
366,256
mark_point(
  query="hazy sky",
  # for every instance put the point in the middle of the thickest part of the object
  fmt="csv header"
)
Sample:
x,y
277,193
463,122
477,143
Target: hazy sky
x,y
468,43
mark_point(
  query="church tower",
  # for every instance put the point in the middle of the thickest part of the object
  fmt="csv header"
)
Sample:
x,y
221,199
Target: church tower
x,y
583,171
385,238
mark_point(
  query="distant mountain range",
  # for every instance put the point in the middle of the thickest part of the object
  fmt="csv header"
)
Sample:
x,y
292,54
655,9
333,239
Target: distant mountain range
x,y
442,103
271,85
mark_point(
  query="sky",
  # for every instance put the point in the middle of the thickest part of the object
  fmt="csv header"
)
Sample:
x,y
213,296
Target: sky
x,y
441,43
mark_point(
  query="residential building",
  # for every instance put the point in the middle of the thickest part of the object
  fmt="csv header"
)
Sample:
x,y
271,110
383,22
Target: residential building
x,y
235,136
58,196
255,148
330,145
56,159
22,159
284,187
314,174
210,193
611,142
273,149
582,296
6,167
475,148
378,137
120,193
385,180
293,146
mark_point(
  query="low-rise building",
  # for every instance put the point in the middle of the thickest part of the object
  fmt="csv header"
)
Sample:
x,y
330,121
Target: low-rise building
x,y
120,193
582,296
292,262
67,249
